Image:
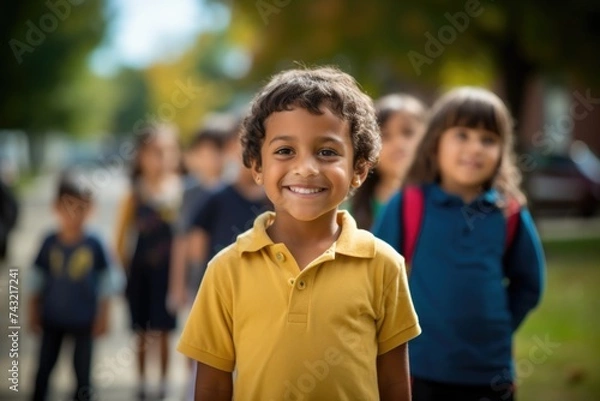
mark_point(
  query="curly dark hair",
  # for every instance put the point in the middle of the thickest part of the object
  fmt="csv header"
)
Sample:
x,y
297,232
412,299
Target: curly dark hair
x,y
312,89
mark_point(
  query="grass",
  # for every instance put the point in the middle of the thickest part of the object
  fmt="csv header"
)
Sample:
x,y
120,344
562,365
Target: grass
x,y
569,319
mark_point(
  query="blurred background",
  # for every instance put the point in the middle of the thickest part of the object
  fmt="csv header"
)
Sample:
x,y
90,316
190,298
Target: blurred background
x,y
80,77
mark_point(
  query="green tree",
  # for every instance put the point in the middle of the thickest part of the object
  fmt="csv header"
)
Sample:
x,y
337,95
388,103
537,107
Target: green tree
x,y
132,103
44,53
429,42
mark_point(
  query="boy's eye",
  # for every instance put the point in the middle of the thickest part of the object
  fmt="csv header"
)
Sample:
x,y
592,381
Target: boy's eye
x,y
283,151
327,152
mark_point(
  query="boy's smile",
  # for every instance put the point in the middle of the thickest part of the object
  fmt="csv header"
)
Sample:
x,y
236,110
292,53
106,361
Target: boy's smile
x,y
307,163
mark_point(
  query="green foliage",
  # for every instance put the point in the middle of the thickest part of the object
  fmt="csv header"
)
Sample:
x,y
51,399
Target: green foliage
x,y
132,100
387,45
378,41
45,49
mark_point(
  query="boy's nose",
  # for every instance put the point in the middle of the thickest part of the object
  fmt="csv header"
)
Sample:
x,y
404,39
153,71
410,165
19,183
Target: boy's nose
x,y
306,166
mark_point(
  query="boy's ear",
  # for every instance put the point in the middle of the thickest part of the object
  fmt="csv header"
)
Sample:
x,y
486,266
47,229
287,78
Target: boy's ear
x,y
360,174
256,172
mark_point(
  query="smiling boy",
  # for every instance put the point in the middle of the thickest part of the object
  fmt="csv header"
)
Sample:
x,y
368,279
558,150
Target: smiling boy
x,y
305,306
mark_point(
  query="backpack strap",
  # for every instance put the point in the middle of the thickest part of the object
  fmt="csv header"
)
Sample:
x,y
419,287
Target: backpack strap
x,y
413,207
513,215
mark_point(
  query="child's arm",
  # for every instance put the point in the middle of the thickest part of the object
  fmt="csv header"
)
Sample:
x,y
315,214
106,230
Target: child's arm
x,y
177,294
111,282
393,375
36,287
525,266
100,326
213,384
192,247
397,323
126,211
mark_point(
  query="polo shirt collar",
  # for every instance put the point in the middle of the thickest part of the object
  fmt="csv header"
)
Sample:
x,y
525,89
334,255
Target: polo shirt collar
x,y
441,197
351,242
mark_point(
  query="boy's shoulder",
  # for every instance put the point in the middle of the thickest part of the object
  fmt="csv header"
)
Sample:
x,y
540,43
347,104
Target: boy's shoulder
x,y
363,243
93,238
89,238
386,252
248,241
222,190
382,252
219,195
48,238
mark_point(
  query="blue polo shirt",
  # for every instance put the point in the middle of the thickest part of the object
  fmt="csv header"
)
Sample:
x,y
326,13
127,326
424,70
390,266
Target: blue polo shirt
x,y
469,292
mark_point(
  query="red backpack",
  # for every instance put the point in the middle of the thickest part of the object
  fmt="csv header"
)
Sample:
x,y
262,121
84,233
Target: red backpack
x,y
413,208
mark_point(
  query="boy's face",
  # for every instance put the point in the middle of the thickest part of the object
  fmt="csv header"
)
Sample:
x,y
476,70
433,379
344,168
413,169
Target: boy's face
x,y
307,163
206,161
72,212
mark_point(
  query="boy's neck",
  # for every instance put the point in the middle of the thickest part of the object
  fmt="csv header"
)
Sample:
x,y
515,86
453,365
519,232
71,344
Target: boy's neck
x,y
209,182
70,236
249,190
306,240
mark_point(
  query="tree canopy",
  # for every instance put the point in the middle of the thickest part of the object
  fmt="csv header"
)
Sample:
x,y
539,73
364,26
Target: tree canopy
x,y
429,42
43,74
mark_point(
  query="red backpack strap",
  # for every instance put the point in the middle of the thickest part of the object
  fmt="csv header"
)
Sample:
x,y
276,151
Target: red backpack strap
x,y
413,206
513,215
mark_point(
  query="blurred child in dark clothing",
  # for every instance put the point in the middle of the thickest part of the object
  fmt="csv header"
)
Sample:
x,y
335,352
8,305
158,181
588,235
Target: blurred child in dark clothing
x,y
71,283
148,214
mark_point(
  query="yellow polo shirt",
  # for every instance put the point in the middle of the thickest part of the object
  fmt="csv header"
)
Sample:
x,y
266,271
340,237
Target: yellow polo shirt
x,y
313,334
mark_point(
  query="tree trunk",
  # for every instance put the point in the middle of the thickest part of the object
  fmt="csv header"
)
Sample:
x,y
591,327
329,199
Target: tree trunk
x,y
516,71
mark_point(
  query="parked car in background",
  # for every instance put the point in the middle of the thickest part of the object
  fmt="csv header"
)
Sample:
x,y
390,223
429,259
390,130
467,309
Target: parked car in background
x,y
565,185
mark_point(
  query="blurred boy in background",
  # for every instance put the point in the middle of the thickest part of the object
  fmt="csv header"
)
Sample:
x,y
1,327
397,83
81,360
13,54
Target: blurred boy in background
x,y
229,210
72,280
205,161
